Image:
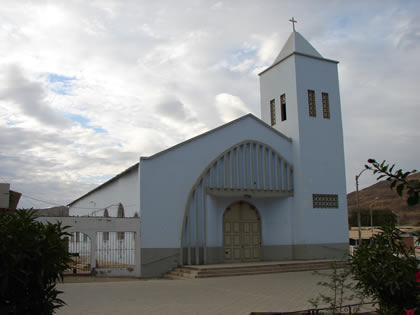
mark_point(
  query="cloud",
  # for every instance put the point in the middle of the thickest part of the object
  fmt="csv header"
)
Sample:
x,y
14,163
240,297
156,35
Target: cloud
x,y
230,106
152,74
30,96
171,107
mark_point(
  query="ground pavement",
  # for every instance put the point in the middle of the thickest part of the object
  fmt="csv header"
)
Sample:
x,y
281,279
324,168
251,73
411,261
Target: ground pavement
x,y
228,295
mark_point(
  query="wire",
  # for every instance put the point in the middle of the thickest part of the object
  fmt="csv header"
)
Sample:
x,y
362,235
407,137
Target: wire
x,y
47,202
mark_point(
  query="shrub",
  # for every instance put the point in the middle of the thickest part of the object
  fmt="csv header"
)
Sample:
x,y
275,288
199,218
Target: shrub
x,y
33,257
386,271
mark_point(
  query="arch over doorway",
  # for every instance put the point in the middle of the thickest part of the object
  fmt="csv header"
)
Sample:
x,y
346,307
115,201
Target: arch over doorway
x,y
241,233
246,168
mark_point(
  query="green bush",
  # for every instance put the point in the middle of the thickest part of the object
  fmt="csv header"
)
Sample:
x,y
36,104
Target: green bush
x,y
33,257
386,271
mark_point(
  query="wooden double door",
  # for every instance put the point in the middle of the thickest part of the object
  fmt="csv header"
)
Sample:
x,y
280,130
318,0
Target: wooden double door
x,y
241,233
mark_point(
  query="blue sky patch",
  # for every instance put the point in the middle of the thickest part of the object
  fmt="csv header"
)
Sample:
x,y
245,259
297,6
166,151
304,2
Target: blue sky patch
x,y
237,56
84,122
60,84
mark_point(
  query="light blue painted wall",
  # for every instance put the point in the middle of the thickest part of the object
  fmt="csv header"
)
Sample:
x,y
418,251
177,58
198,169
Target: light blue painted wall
x,y
167,179
318,151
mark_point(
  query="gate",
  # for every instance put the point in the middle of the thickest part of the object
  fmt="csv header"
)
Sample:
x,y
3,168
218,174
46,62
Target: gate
x,y
102,246
115,249
79,247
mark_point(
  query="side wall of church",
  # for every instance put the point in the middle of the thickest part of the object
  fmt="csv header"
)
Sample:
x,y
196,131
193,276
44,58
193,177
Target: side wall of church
x,y
166,181
123,190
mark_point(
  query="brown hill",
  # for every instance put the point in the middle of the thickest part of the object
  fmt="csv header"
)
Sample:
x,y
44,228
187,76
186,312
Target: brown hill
x,y
380,196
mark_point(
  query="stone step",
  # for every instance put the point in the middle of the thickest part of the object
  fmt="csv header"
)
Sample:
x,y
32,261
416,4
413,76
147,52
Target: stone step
x,y
173,277
193,272
203,274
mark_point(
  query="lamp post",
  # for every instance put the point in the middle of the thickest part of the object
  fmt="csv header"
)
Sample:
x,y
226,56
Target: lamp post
x,y
358,205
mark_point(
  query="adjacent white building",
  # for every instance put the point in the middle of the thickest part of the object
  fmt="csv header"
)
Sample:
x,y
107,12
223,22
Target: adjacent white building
x,y
250,190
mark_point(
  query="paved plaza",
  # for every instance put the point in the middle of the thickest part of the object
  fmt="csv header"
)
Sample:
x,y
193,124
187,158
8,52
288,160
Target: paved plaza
x,y
228,295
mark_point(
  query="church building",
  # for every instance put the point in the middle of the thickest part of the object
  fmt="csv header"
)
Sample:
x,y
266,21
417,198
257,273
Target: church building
x,y
255,189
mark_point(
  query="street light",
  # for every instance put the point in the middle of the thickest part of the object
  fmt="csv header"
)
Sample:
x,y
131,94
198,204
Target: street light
x,y
358,205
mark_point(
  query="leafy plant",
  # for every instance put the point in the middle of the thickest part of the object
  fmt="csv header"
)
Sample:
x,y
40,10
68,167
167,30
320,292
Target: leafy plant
x,y
341,288
33,257
385,270
399,180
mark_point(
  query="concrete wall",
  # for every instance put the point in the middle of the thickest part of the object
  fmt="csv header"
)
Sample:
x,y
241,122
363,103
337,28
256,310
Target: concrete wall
x,y
124,189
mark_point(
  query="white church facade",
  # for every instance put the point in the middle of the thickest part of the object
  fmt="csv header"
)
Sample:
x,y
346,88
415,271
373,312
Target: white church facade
x,y
252,189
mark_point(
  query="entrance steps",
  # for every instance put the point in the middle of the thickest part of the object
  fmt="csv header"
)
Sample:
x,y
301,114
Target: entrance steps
x,y
242,269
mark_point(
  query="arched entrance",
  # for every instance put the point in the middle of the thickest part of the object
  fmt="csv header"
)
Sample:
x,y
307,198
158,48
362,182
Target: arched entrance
x,y
241,233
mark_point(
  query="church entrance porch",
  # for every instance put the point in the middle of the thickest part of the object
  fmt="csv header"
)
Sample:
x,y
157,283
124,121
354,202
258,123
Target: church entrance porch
x,y
241,233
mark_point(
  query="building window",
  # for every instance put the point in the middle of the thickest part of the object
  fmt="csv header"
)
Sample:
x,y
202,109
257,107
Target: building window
x,y
325,106
120,211
325,201
283,107
311,103
273,112
105,236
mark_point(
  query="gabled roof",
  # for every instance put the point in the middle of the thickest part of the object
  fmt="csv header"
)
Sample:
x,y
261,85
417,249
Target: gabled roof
x,y
128,170
135,166
247,116
296,44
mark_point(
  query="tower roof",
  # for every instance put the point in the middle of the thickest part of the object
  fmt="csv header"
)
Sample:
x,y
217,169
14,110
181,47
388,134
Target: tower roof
x,y
296,43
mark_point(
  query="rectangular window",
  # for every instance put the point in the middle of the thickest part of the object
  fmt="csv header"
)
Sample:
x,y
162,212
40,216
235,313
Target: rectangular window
x,y
105,236
283,107
325,201
311,103
325,106
273,112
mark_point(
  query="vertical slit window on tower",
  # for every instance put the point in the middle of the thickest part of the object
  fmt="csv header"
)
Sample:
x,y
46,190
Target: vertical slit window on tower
x,y
311,103
273,112
283,107
325,106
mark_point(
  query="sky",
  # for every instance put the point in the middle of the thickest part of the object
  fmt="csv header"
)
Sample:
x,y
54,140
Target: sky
x,y
87,87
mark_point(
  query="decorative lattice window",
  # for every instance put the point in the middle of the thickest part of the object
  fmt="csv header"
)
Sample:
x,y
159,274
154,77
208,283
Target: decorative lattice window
x,y
273,112
283,107
311,103
325,201
325,106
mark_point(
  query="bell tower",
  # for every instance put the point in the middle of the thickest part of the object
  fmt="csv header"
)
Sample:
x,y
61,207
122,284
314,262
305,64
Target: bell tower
x,y
300,97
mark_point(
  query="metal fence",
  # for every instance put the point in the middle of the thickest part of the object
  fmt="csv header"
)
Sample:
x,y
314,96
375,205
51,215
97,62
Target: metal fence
x,y
79,247
359,308
115,249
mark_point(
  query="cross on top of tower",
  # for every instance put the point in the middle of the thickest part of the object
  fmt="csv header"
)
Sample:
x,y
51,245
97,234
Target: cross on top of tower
x,y
293,22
